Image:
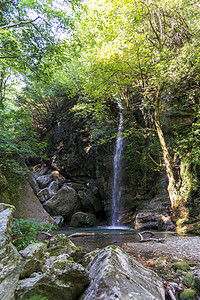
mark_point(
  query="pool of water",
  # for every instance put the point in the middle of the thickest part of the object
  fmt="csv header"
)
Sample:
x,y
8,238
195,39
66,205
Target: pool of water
x,y
100,237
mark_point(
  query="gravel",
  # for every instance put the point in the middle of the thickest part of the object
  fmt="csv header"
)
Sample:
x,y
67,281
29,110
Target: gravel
x,y
184,246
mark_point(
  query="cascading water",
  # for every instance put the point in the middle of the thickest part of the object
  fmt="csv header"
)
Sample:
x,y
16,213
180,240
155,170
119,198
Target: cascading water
x,y
117,170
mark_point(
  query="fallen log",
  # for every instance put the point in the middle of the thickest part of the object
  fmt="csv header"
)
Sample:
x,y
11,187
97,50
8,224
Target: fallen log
x,y
47,233
142,239
80,234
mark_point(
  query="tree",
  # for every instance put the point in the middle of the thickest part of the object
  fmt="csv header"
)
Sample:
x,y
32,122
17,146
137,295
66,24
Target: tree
x,y
141,46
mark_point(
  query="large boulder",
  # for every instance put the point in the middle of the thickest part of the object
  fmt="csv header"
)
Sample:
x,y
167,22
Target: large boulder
x,y
61,277
29,207
80,219
9,257
64,280
116,275
89,201
64,203
32,257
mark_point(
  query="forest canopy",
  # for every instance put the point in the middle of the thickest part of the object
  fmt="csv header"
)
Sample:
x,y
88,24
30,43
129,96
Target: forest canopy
x,y
84,55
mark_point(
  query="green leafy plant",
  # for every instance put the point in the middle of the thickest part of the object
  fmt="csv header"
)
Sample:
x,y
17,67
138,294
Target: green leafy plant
x,y
26,232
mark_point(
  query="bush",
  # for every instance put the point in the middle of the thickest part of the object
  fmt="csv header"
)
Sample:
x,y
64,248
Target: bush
x,y
26,232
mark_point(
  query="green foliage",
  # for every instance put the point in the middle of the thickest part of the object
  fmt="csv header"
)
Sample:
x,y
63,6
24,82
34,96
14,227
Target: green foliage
x,y
26,232
18,140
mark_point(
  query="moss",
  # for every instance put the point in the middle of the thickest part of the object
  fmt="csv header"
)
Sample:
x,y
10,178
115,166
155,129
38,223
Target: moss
x,y
160,267
188,280
181,265
188,295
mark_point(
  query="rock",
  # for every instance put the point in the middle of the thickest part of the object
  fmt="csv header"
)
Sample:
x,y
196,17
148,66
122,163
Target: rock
x,y
53,187
64,279
188,280
64,203
33,183
9,257
77,186
60,244
197,279
88,257
46,193
89,201
156,213
44,180
182,265
188,295
80,219
61,278
29,207
31,259
116,275
59,220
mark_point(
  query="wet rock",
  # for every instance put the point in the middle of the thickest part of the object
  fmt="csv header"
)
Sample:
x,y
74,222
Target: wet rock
x,y
64,203
115,275
9,257
31,259
80,219
89,201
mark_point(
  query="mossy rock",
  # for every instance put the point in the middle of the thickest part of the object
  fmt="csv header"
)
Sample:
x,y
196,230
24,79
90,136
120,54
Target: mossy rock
x,y
160,267
188,295
181,265
188,280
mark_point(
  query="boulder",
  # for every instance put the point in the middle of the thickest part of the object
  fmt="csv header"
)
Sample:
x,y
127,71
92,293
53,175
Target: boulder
x,y
64,203
60,244
61,278
29,207
44,180
64,279
80,219
32,259
9,257
46,193
116,275
89,201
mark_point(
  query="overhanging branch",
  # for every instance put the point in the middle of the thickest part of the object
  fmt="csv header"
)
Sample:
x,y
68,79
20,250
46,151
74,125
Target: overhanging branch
x,y
19,23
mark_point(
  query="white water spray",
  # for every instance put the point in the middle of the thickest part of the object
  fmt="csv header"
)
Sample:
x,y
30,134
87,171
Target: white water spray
x,y
117,170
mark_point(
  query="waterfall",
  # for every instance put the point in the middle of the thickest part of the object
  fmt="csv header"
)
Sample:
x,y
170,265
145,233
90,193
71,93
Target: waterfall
x,y
117,168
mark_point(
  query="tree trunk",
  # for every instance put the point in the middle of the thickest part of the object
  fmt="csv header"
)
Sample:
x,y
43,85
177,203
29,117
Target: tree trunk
x,y
173,194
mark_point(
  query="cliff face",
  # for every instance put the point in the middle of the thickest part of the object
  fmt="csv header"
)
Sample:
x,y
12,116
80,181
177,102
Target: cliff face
x,y
89,166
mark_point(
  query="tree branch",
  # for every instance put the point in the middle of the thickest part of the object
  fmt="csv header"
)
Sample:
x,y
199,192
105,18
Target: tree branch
x,y
19,23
